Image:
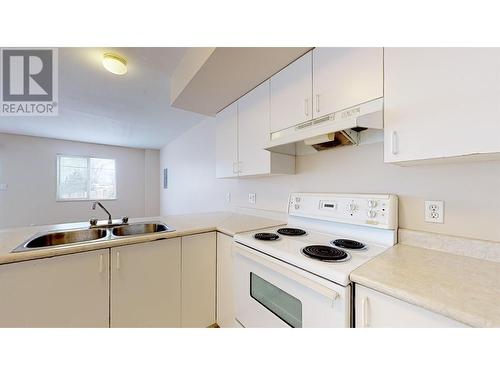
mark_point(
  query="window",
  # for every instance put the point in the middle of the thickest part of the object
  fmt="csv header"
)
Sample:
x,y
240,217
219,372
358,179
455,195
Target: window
x,y
280,303
85,178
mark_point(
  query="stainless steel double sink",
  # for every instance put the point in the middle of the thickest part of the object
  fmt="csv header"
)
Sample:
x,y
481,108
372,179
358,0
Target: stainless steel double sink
x,y
88,235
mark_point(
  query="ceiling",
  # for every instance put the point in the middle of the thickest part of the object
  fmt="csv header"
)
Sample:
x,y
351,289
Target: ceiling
x,y
99,107
209,79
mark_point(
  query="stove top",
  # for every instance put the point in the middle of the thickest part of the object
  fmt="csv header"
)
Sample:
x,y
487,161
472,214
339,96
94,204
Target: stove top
x,y
291,231
314,252
325,253
264,236
347,244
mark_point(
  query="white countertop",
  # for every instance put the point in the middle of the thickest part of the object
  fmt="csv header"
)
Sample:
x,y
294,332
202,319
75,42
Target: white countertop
x,y
459,287
225,222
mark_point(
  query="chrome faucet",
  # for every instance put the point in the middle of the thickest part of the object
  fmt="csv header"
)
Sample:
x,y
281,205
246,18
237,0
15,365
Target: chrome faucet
x,y
94,205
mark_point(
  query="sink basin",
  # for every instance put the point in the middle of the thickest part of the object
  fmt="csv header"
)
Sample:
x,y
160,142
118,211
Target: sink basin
x,y
63,238
140,228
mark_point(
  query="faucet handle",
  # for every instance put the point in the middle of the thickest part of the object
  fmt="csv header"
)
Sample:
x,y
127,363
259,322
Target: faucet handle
x,y
125,220
93,222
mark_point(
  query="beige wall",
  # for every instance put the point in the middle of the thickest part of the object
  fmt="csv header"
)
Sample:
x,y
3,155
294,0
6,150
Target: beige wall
x,y
471,191
28,166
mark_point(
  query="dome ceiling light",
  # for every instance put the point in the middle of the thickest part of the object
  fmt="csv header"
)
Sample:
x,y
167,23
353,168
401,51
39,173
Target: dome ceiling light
x,y
114,63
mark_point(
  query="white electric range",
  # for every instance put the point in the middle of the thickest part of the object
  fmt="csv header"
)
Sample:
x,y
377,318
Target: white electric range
x,y
298,275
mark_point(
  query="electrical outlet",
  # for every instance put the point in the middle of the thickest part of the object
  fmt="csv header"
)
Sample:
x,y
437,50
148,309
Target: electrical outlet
x,y
434,211
252,198
228,197
4,187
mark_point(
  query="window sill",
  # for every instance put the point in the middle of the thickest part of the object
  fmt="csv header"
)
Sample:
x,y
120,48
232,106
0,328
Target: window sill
x,y
86,200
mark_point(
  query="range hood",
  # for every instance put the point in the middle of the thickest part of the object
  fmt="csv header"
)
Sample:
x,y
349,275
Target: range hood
x,y
336,129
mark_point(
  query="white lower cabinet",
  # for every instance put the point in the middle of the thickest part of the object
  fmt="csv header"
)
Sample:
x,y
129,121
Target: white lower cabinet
x,y
146,284
225,298
377,310
198,280
64,291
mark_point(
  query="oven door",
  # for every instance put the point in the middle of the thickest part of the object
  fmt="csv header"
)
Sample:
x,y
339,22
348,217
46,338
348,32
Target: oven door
x,y
272,294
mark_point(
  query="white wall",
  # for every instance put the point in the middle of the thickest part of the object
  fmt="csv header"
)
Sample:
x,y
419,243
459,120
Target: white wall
x,y
28,166
192,186
471,191
152,183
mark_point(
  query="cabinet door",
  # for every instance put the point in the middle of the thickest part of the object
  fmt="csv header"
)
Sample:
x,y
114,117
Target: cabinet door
x,y
253,131
198,280
145,284
225,298
345,77
227,142
441,102
64,291
291,94
378,310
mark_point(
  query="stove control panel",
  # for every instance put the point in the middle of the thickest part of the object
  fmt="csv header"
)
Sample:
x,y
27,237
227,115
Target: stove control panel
x,y
374,210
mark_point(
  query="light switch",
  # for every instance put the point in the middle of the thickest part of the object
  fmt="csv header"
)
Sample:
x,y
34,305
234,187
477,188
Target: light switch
x,y
4,187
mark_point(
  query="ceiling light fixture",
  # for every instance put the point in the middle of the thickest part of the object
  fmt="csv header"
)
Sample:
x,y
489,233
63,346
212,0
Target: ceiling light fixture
x,y
114,63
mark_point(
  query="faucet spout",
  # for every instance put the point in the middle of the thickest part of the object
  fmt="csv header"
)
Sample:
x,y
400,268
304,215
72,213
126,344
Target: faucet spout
x,y
95,204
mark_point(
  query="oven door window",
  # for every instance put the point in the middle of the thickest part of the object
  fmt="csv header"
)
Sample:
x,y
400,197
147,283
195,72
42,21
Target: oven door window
x,y
280,303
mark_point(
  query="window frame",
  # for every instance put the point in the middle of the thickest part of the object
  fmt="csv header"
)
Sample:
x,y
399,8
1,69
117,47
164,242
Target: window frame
x,y
88,157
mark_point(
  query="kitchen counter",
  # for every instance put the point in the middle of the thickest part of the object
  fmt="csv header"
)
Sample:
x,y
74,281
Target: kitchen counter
x,y
225,222
459,287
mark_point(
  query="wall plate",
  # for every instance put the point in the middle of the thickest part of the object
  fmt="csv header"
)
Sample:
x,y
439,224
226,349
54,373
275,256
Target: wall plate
x,y
434,212
252,198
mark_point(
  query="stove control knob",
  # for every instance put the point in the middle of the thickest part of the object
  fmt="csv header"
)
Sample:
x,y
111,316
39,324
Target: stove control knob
x,y
372,203
371,214
297,206
351,207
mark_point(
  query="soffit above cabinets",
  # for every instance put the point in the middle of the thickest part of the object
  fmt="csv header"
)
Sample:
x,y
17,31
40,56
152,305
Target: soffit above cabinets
x,y
209,79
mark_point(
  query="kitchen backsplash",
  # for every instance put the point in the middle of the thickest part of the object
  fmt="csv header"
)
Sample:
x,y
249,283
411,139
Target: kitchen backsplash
x,y
472,209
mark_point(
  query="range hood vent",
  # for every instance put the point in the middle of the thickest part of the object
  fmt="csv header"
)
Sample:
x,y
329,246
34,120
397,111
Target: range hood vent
x,y
333,130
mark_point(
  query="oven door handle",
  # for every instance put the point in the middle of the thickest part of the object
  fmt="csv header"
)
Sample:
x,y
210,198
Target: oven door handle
x,y
294,275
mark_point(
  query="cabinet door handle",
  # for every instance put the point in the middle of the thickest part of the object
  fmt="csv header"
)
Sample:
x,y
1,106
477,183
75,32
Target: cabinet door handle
x,y
306,107
317,103
364,313
101,263
235,167
117,260
394,143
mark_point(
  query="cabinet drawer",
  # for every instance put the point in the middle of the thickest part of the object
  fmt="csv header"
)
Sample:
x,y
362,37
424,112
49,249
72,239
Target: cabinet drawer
x,y
378,310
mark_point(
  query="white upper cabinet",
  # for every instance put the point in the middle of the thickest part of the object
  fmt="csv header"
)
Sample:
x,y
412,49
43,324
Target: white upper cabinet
x,y
441,102
226,149
346,77
242,133
291,94
253,134
253,131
